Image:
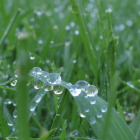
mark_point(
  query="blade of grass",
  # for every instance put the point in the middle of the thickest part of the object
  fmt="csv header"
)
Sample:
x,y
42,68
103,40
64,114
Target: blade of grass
x,y
86,40
119,109
22,89
9,27
64,130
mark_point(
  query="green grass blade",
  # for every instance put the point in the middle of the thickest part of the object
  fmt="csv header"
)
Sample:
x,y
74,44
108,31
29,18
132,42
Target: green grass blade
x,y
3,126
119,109
22,89
9,27
86,40
64,130
135,126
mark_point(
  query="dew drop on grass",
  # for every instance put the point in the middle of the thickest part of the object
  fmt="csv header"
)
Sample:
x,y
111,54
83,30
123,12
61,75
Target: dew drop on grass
x,y
36,69
69,84
54,78
99,115
82,115
58,89
44,74
91,91
47,87
36,83
76,133
32,108
92,101
103,109
15,114
32,57
75,90
86,109
10,124
38,98
130,84
16,73
82,84
77,32
13,83
92,120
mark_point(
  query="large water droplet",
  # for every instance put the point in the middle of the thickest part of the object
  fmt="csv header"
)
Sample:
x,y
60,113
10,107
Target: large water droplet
x,y
54,78
92,101
76,133
47,87
92,120
58,89
91,91
82,84
103,109
36,69
13,83
75,90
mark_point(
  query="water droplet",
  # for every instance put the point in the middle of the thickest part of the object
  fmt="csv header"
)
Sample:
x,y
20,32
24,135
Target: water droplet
x,y
86,109
47,87
36,69
76,133
69,84
77,32
32,57
75,90
82,84
32,108
99,115
38,98
13,83
92,120
45,74
37,83
15,114
40,41
74,61
103,109
16,73
82,115
10,124
130,84
67,28
58,89
91,91
54,78
92,101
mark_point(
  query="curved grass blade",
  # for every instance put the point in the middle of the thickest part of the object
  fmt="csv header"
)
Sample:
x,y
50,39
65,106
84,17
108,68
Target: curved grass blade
x,y
135,126
85,38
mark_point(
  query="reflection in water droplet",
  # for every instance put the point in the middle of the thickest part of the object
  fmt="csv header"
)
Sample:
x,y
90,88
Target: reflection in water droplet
x,y
76,133
103,109
47,87
54,78
58,89
91,91
75,90
92,101
92,120
82,84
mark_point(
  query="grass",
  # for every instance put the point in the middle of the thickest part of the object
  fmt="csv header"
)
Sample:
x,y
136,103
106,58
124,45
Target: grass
x,y
79,45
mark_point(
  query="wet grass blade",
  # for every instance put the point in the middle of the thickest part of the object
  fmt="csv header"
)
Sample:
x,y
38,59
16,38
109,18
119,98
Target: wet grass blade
x,y
3,126
85,38
9,27
119,109
64,130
